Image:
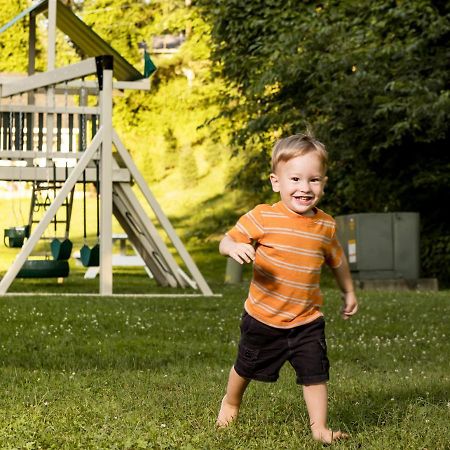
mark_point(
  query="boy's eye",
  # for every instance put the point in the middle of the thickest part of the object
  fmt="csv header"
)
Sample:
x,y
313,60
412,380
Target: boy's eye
x,y
312,180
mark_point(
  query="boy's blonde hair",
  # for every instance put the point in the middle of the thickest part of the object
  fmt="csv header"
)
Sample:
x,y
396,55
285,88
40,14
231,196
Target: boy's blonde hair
x,y
298,145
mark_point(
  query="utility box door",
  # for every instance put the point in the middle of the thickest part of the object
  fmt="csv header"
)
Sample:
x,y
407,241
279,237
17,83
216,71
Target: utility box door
x,y
407,244
374,235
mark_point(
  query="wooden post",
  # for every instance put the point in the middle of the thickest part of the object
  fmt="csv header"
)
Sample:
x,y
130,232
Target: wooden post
x,y
51,44
106,184
31,56
51,56
233,274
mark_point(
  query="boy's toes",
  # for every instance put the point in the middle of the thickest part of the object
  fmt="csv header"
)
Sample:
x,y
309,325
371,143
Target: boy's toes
x,y
328,436
221,423
338,436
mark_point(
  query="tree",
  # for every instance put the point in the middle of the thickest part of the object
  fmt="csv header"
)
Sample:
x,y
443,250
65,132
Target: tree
x,y
13,41
123,24
369,77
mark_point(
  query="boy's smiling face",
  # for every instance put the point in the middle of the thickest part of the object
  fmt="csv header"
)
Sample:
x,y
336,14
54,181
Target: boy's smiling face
x,y
300,182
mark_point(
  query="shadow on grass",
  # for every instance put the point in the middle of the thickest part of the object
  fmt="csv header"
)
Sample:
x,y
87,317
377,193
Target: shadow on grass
x,y
375,409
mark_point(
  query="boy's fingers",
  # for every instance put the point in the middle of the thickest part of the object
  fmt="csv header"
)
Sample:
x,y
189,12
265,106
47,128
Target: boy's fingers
x,y
348,311
237,258
242,257
250,252
346,315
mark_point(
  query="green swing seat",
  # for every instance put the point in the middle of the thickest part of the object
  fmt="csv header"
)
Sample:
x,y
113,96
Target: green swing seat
x,y
13,237
90,257
61,249
44,268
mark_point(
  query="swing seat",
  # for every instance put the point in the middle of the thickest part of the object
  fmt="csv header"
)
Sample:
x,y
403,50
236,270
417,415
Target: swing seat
x,y
44,268
61,249
90,257
13,237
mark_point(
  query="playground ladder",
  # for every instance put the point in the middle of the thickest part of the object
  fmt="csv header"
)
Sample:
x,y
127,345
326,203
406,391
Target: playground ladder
x,y
39,205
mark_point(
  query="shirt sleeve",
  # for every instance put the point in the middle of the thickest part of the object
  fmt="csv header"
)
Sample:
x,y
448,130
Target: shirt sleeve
x,y
334,253
249,228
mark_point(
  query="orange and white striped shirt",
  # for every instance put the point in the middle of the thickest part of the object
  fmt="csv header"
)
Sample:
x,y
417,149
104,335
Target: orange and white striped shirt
x,y
290,251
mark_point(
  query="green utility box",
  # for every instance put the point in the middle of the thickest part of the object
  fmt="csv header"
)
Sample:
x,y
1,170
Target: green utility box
x,y
381,245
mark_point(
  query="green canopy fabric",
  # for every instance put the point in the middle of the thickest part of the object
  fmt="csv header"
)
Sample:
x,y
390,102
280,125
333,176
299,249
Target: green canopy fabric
x,y
149,66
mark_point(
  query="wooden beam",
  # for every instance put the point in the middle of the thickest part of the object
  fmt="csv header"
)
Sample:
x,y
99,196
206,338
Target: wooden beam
x,y
162,218
44,79
46,173
47,109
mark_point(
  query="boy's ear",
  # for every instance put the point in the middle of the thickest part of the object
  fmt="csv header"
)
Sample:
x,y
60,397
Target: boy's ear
x,y
275,182
324,184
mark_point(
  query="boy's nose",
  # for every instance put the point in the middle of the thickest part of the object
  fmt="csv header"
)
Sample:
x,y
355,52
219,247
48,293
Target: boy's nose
x,y
304,186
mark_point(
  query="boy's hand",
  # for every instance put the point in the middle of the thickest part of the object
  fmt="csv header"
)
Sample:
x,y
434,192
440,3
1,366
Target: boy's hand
x,y
350,306
242,253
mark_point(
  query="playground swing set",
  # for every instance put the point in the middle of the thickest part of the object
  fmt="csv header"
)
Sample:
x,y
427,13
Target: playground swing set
x,y
60,247
44,119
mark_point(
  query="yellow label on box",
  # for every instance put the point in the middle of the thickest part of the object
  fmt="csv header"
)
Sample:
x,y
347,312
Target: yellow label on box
x,y
351,251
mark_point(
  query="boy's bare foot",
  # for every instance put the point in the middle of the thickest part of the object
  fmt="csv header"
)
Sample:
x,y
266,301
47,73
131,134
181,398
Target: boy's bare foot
x,y
227,414
327,436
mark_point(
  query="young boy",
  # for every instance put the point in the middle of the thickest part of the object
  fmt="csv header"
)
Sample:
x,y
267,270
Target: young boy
x,y
288,242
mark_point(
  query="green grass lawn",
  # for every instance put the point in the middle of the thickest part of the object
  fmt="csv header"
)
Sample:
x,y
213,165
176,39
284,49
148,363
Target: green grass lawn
x,y
130,373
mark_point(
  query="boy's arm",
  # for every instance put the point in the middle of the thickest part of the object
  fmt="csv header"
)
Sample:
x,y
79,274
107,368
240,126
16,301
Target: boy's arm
x,y
239,251
345,282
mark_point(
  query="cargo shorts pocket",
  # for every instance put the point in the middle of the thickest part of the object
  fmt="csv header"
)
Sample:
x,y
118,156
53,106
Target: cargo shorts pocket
x,y
248,356
325,361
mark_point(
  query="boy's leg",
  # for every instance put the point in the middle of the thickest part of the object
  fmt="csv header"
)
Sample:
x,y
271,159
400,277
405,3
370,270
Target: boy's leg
x,y
229,408
316,399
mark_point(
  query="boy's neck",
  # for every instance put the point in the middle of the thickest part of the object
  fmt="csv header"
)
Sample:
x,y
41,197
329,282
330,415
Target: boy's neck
x,y
310,213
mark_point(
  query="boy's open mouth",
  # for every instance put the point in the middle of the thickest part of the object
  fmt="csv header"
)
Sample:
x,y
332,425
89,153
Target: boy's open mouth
x,y
303,198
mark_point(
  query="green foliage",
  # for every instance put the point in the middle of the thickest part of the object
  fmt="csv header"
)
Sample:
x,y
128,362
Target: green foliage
x,y
370,78
436,256
14,41
188,168
159,126
122,24
172,149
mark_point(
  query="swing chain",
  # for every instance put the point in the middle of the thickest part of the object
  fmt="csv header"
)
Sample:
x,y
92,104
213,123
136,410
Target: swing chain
x,y
10,130
83,101
20,136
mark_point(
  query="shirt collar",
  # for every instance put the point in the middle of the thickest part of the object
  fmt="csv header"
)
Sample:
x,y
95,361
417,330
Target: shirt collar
x,y
280,206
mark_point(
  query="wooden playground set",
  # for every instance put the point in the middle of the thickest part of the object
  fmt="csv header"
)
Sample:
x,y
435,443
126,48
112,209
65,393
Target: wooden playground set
x,y
56,132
